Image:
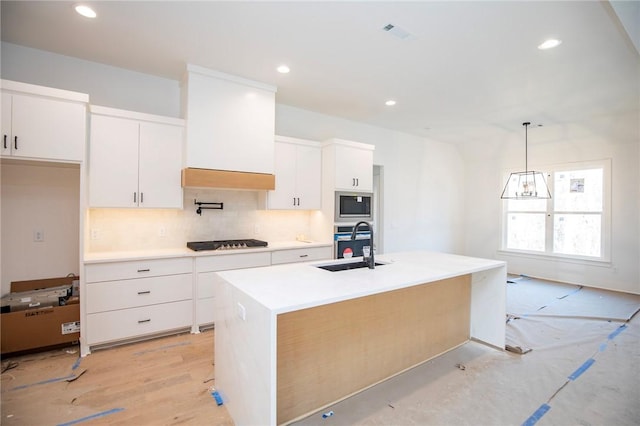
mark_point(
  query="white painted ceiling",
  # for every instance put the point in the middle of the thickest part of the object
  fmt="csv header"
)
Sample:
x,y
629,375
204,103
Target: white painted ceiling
x,y
468,72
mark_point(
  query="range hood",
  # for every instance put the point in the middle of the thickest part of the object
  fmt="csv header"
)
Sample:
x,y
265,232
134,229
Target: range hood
x,y
224,179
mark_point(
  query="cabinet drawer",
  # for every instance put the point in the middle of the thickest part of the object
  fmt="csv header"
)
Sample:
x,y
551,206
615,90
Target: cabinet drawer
x,y
112,271
233,261
112,295
106,327
301,255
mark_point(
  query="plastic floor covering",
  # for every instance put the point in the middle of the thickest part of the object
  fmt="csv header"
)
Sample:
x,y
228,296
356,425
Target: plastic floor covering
x,y
579,365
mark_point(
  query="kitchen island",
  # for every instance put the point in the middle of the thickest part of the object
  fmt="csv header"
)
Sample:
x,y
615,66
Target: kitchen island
x,y
293,339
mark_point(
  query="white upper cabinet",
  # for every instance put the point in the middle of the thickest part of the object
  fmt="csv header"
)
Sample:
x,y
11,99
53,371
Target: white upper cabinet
x,y
42,123
298,168
230,122
350,164
134,159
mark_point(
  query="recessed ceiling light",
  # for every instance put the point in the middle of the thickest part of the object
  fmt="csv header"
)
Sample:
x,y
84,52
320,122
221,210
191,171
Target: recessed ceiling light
x,y
283,69
85,11
390,102
549,44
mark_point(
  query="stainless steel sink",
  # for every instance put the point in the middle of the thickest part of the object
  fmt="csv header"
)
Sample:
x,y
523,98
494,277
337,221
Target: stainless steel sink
x,y
335,267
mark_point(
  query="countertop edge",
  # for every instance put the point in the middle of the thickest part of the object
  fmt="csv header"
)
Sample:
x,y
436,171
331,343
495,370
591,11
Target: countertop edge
x,y
132,255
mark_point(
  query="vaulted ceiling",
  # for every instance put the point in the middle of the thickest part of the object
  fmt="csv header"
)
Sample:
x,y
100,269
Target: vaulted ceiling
x,y
463,73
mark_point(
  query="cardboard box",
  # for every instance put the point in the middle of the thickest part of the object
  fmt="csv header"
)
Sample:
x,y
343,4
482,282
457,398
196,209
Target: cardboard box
x,y
41,298
41,327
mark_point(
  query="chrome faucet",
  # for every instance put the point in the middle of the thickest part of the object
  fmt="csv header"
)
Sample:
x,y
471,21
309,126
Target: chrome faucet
x,y
370,260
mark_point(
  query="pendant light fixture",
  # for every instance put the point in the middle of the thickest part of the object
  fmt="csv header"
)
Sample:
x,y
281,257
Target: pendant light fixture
x,y
526,185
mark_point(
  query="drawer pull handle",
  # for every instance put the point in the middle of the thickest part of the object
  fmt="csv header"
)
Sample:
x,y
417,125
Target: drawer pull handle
x,y
304,255
143,321
144,270
145,292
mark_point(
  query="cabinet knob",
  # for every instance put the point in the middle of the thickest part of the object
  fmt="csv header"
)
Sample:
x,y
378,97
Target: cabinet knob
x,y
144,292
142,197
15,142
135,197
144,320
144,270
5,141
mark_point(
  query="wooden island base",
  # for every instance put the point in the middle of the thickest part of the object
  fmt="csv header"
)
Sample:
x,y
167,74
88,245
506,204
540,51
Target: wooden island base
x,y
329,352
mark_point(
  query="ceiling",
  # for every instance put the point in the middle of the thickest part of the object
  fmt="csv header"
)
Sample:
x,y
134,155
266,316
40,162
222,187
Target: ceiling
x,y
468,71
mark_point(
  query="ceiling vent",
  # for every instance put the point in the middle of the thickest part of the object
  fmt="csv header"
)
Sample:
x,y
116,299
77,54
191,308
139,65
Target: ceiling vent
x,y
397,31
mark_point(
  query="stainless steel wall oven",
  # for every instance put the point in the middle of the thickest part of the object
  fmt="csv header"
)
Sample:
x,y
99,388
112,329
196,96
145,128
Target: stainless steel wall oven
x,y
344,246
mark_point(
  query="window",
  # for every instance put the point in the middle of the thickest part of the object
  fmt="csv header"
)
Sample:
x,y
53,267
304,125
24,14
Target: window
x,y
574,223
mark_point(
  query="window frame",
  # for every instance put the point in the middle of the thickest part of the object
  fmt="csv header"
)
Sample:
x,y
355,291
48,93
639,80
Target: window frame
x,y
550,214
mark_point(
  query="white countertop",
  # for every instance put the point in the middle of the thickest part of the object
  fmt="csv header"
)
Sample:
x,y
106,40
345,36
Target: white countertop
x,y
111,256
290,287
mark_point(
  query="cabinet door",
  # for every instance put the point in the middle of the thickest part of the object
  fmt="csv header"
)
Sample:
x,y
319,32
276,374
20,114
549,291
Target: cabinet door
x,y
48,128
160,163
354,168
308,177
283,197
113,162
7,139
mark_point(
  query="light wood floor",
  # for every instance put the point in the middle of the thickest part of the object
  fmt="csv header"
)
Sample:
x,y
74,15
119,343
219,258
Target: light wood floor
x,y
164,381
167,381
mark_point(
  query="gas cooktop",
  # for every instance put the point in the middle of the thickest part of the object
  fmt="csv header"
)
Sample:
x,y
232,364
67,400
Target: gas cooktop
x,y
225,244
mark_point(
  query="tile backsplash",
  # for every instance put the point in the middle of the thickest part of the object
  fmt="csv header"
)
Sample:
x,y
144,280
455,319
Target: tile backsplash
x,y
242,217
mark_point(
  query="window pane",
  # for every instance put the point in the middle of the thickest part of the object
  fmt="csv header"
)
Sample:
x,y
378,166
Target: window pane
x,y
578,191
577,234
525,231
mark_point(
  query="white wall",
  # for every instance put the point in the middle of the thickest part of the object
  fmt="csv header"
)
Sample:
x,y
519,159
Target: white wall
x,y
422,178
614,137
436,197
107,86
39,197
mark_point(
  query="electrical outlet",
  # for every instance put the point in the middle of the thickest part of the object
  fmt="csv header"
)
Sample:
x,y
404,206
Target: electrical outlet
x,y
38,236
242,312
162,232
95,234
256,229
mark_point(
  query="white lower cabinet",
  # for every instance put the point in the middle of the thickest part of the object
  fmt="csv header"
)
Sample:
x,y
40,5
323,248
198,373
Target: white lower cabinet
x,y
132,299
206,268
126,300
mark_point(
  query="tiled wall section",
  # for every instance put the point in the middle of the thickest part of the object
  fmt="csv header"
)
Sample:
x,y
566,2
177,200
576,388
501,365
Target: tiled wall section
x,y
242,217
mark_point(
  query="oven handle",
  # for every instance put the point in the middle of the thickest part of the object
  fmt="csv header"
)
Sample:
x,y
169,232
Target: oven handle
x,y
346,237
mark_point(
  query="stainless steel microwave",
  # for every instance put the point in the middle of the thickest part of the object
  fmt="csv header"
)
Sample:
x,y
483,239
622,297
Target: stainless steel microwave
x,y
353,206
